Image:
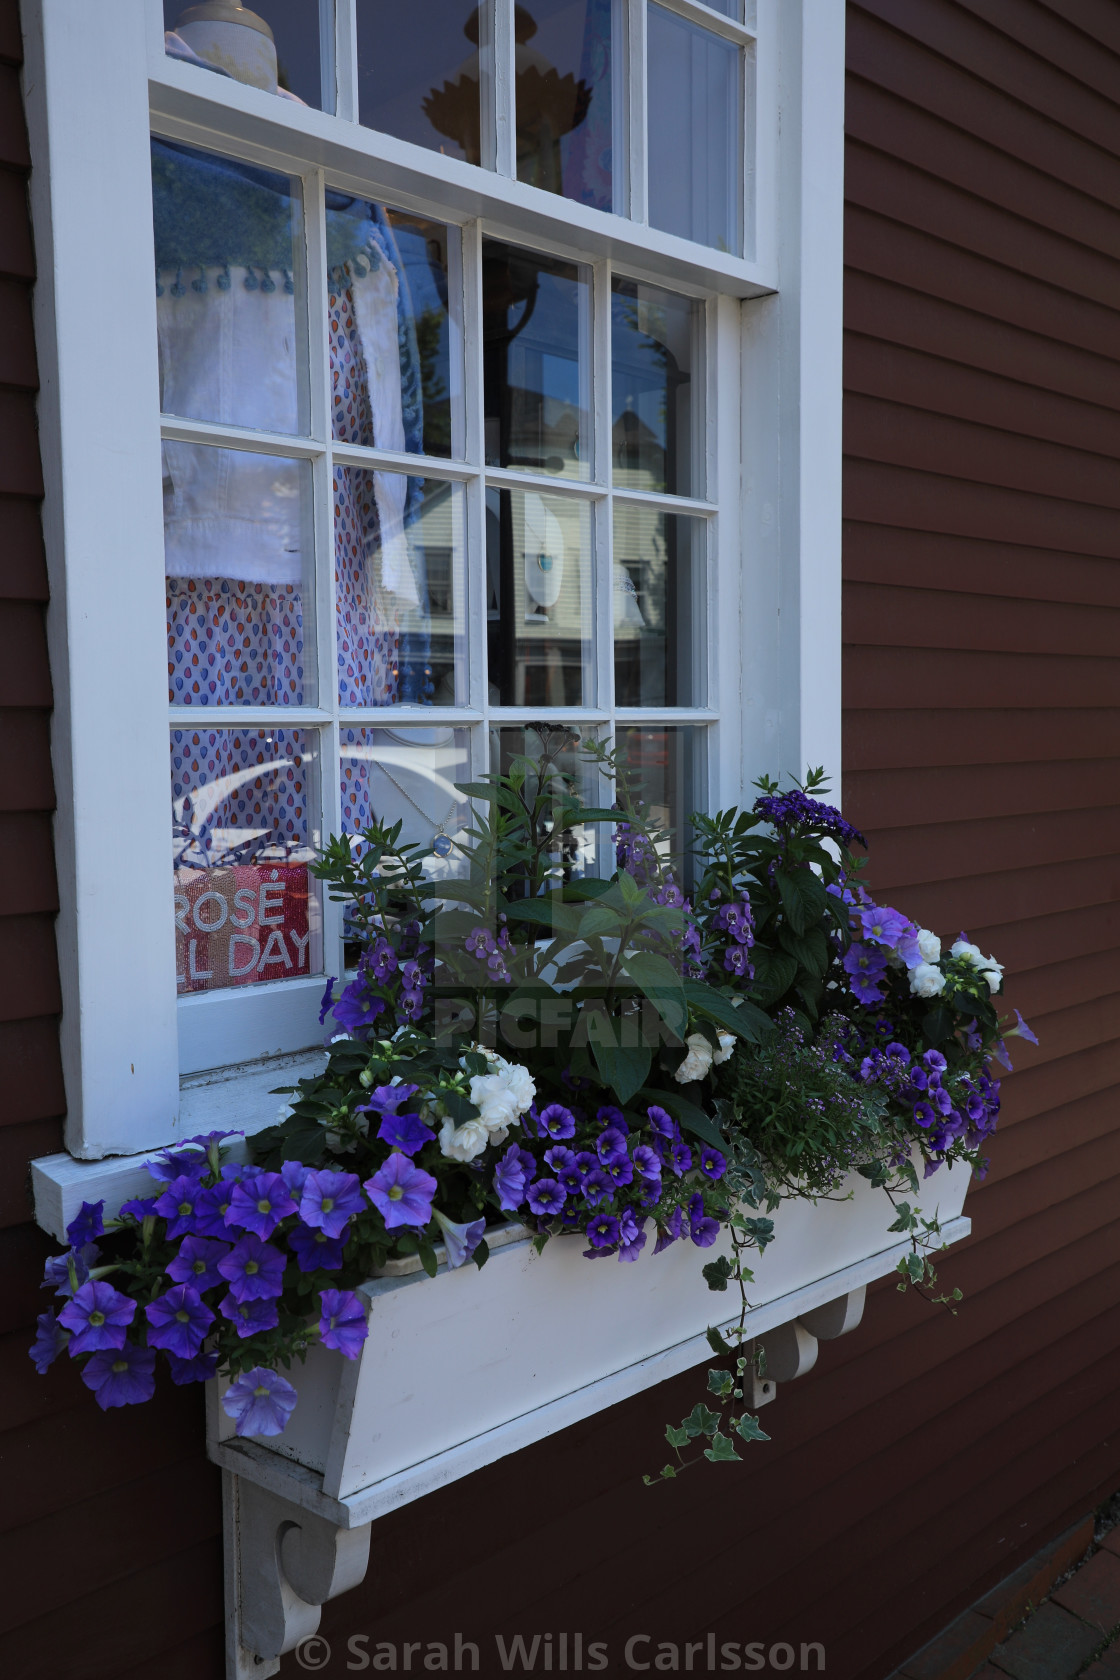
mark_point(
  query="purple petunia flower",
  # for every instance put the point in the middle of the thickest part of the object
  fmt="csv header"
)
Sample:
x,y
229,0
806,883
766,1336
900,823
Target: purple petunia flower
x,y
357,1008
197,1262
460,1240
669,1232
631,1235
260,1402
596,1185
259,1203
254,1270
99,1316
199,1369
406,1132
248,1317
123,1376
294,1174
702,1228
50,1340
557,1121
882,926
712,1164
342,1324
401,1191
866,990
603,1230
139,1207
546,1197
1020,1030
56,1271
330,1200
326,1003
387,1099
214,1204
181,1205
178,1321
87,1225
314,1250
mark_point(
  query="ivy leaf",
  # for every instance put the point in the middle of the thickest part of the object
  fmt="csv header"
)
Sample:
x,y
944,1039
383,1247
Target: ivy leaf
x,y
722,1450
749,1430
677,1437
718,1343
700,1421
716,1273
720,1383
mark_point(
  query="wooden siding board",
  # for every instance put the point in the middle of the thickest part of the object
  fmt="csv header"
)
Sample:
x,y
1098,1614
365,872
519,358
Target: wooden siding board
x,y
906,737
909,797
1096,18
921,613
905,559
32,1073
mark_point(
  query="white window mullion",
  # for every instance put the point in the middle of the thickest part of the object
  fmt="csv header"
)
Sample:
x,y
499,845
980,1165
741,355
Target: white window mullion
x,y
474,616
501,105
601,516
636,112
345,56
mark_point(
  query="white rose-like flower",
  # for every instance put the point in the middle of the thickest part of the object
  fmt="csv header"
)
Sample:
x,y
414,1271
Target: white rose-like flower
x,y
971,953
698,1062
496,1103
463,1143
926,980
726,1047
993,974
929,945
519,1081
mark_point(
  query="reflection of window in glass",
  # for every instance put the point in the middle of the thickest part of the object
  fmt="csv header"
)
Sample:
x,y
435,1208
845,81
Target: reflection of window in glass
x,y
229,291
565,104
729,8
659,607
666,768
653,355
394,343
556,762
535,362
398,547
695,134
239,565
538,599
247,909
418,73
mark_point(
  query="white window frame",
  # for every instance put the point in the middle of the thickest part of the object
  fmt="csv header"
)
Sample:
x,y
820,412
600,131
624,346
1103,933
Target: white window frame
x,y
96,81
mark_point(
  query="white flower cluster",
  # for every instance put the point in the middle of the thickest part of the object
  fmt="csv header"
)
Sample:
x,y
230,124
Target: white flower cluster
x,y
927,980
701,1056
989,968
501,1096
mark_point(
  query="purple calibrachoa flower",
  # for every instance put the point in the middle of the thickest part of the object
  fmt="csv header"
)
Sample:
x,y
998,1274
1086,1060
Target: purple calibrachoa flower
x,y
681,1159
330,1200
596,1185
342,1325
559,1122
401,1191
610,1146
199,1369
260,1402
511,1178
99,1316
259,1203
619,1172
546,1197
254,1270
702,1228
249,1316
87,1225
197,1262
611,1115
712,1164
460,1240
178,1321
662,1125
603,1230
406,1132
50,1341
181,1205
123,1376
631,1235
314,1250
669,1232
924,1114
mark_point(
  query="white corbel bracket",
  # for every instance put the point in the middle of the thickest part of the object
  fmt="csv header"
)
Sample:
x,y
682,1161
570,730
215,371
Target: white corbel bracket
x,y
282,1563
791,1349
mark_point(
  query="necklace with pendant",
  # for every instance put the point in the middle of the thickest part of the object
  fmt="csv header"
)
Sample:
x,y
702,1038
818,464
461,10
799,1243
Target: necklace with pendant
x,y
441,840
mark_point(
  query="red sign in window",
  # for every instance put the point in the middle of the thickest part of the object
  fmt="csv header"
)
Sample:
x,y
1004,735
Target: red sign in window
x,y
240,925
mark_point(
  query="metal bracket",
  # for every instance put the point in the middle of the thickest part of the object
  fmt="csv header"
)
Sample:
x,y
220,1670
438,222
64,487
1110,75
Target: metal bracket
x,y
282,1563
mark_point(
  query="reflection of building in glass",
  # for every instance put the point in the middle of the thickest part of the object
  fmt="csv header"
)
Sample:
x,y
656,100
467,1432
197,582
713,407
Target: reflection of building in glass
x,y
652,333
538,589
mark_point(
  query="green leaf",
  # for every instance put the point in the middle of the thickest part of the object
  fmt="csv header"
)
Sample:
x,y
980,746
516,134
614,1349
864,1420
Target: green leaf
x,y
718,1343
700,1421
720,1383
744,1018
597,920
810,949
716,1273
749,1430
692,1119
722,1450
428,1259
676,1437
661,984
624,1070
774,973
803,898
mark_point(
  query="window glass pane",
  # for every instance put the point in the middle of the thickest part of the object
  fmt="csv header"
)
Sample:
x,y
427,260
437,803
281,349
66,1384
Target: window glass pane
x,y
407,776
395,355
535,358
653,333
565,118
666,768
556,757
398,560
247,908
418,73
238,558
538,599
229,291
273,45
695,132
729,8
658,607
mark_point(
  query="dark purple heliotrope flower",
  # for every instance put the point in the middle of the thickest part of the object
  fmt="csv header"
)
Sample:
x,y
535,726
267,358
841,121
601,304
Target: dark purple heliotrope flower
x,y
406,1132
712,1164
342,1324
387,1099
98,1315
249,1317
401,1191
546,1197
178,1321
50,1340
795,808
510,1180
260,1402
557,1121
123,1376
603,1230
330,1200
254,1270
199,1369
669,1231
314,1250
259,1203
596,1185
197,1262
182,1206
87,1225
632,1237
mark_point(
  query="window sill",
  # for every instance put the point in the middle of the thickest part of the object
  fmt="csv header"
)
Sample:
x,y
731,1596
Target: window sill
x,y
239,1099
